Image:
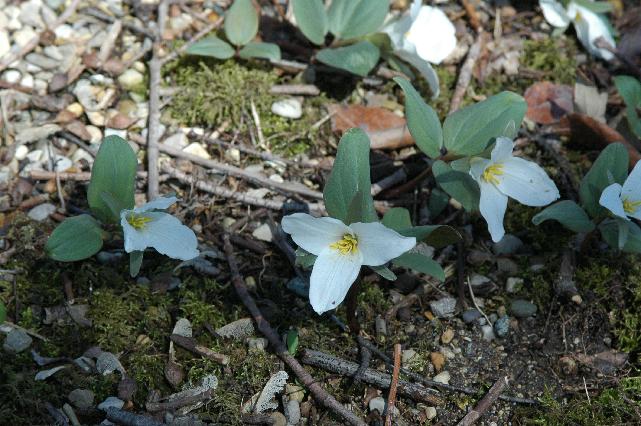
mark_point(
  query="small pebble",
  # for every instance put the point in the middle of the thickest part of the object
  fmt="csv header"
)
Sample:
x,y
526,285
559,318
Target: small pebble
x,y
471,315
502,326
263,233
438,360
81,398
430,413
509,244
257,343
443,308
111,401
197,149
447,336
41,212
407,355
130,79
17,341
442,377
292,412
521,308
288,108
513,284
278,419
487,332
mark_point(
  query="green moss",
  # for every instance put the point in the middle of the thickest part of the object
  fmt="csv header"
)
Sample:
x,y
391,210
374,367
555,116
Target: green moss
x,y
147,369
554,56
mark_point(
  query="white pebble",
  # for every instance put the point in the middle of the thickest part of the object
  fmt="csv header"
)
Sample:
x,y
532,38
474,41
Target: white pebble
x,y
12,76
288,108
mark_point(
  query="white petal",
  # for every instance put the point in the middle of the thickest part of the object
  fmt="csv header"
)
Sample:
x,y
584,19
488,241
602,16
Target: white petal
x,y
160,203
166,234
332,276
380,244
396,30
492,206
478,166
502,149
433,34
589,26
134,241
314,234
611,200
415,9
554,13
632,186
424,68
527,183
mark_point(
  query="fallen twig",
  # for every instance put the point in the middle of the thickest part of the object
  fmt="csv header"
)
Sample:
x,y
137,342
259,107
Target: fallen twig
x,y
77,177
126,418
99,14
294,89
397,177
485,403
317,391
192,345
376,378
154,407
473,15
465,75
391,400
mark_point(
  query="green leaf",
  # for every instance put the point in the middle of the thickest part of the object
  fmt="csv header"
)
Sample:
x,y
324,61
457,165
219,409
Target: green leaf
x,y
611,163
469,130
135,262
630,90
420,263
397,218
304,259
311,18
611,228
3,312
422,120
458,185
114,172
595,6
260,50
437,202
76,238
361,208
350,174
292,341
567,213
115,207
241,22
213,47
357,58
356,18
384,272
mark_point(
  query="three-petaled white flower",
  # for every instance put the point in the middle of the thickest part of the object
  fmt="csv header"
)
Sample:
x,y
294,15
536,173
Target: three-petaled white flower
x,y
504,176
422,35
145,226
341,251
589,25
624,201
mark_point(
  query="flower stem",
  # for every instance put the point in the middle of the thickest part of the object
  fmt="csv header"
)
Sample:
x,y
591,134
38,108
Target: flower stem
x,y
351,304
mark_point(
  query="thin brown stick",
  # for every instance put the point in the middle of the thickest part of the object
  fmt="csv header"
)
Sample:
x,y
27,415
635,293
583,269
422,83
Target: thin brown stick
x,y
286,187
9,58
155,407
193,346
485,403
317,391
473,15
64,176
465,75
295,89
391,400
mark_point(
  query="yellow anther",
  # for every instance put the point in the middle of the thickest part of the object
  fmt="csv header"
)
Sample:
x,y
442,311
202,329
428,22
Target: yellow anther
x,y
630,207
348,244
491,172
138,221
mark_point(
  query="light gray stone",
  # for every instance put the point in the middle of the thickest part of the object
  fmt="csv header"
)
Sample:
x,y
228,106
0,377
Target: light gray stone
x,y
41,212
81,398
288,108
444,307
17,341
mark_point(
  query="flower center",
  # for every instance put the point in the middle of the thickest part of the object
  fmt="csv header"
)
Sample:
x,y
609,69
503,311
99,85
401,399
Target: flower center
x,y
138,221
348,244
630,207
491,172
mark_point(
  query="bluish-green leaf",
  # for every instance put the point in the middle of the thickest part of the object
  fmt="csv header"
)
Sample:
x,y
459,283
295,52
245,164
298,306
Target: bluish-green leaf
x,y
434,235
213,47
422,120
595,6
612,163
114,172
469,130
361,208
437,202
241,22
356,18
630,90
261,50
350,174
397,218
567,213
76,238
357,58
420,263
135,262
384,272
458,185
610,230
311,19
304,259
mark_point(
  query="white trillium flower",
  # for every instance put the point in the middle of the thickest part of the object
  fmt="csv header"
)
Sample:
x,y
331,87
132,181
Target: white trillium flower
x,y
624,201
504,176
341,251
145,226
421,36
589,25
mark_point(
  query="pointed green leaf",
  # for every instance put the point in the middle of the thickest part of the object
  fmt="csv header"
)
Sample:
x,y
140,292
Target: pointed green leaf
x,y
135,262
384,272
304,259
420,263
567,213
356,18
458,185
630,90
350,174
311,18
437,202
422,120
357,58
261,50
292,341
612,163
213,47
397,218
469,130
611,228
76,238
361,208
241,22
114,172
595,6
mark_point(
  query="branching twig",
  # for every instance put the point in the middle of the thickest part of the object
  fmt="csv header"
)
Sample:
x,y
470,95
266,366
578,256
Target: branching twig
x,y
126,418
391,400
465,75
317,391
192,345
484,404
